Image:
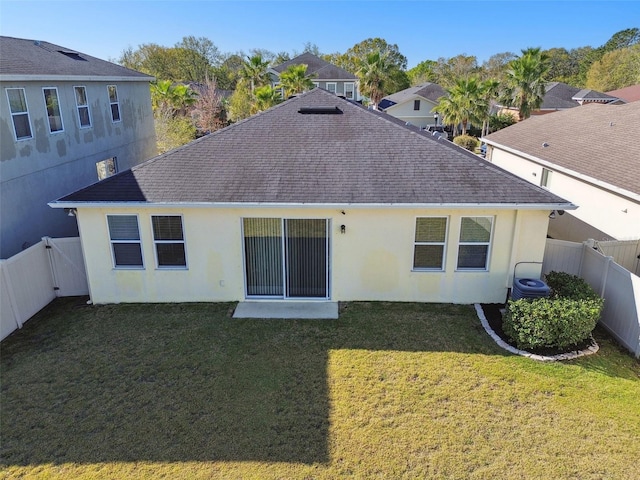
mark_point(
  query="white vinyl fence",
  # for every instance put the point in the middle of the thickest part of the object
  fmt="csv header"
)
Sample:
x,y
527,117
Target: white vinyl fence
x,y
625,253
618,286
31,279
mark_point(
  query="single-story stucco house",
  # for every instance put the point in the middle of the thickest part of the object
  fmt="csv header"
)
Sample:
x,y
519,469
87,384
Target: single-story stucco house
x,y
317,198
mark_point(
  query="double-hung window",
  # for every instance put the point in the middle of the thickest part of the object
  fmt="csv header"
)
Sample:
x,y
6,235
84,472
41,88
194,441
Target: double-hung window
x,y
475,243
19,113
430,241
106,168
113,102
416,104
125,241
168,237
82,104
349,89
52,104
332,87
545,181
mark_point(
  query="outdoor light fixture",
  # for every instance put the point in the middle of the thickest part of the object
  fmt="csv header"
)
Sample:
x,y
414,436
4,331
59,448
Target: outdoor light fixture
x,y
435,118
552,215
343,229
71,212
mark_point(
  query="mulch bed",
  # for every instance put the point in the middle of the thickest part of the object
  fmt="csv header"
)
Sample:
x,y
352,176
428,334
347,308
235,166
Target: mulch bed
x,y
494,318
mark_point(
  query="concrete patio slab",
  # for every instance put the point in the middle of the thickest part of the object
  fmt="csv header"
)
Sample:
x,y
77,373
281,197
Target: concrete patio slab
x,y
269,309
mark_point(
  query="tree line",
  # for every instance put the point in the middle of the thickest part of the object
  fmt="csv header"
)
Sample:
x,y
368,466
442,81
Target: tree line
x,y
200,88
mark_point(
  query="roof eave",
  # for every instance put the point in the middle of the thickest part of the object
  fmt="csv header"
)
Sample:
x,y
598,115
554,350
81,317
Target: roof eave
x,y
74,78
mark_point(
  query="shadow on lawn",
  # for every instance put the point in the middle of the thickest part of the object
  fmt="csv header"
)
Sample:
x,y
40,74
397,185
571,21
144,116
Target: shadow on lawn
x,y
178,383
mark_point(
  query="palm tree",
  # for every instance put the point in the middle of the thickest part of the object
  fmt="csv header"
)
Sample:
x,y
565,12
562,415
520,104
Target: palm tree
x,y
295,80
375,73
254,71
463,103
525,81
265,97
489,91
164,94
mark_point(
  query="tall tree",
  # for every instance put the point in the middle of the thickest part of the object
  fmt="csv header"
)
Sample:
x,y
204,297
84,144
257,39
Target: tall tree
x,y
295,80
375,73
354,57
525,81
172,97
465,102
616,69
254,71
449,70
496,67
421,73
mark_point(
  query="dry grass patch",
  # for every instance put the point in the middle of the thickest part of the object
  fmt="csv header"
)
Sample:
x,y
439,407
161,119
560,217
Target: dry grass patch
x,y
387,391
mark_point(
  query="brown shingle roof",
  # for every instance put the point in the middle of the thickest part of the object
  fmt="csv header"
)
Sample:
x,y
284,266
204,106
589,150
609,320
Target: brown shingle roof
x,y
317,67
594,140
281,156
33,57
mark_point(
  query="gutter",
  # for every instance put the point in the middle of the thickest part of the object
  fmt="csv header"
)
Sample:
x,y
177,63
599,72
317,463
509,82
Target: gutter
x,y
73,78
357,206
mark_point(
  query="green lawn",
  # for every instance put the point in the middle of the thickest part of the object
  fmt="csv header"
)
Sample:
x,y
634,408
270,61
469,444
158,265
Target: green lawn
x,y
387,391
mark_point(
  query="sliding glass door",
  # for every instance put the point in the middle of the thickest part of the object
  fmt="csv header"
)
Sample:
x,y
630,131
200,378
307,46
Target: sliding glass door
x,y
286,258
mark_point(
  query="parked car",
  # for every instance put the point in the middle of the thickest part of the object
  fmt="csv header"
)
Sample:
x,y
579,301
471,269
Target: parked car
x,y
440,129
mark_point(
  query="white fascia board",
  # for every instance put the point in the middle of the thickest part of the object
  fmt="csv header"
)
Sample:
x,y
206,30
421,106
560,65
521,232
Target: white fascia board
x,y
572,173
364,206
72,78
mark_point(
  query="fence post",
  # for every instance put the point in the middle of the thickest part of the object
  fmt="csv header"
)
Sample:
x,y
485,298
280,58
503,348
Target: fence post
x,y
607,266
52,265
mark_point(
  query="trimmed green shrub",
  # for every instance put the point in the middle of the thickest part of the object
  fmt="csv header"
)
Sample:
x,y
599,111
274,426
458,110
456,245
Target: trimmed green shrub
x,y
466,141
566,285
561,321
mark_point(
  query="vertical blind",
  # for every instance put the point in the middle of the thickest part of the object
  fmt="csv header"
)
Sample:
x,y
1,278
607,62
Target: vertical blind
x,y
286,257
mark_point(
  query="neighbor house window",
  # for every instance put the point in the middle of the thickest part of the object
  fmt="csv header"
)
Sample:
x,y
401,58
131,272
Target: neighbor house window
x,y
83,106
475,243
430,241
545,181
19,113
169,241
331,86
125,241
316,84
107,167
53,109
349,91
113,101
416,104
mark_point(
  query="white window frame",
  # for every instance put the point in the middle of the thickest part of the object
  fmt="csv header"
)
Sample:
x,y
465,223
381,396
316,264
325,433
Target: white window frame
x,y
47,110
78,106
443,243
545,177
335,87
114,160
158,242
353,90
112,103
488,244
112,242
14,114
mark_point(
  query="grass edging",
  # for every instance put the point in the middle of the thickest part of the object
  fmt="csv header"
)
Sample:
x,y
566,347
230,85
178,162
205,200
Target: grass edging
x,y
543,358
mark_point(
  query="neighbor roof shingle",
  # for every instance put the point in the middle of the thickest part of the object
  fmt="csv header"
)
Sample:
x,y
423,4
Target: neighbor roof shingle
x,y
281,156
38,58
594,140
317,67
430,91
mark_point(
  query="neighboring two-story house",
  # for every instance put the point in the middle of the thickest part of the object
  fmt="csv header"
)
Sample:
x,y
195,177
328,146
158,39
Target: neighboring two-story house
x,y
415,105
324,75
588,155
67,120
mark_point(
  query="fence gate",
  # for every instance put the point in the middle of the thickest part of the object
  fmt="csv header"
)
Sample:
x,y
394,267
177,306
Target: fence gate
x,y
54,267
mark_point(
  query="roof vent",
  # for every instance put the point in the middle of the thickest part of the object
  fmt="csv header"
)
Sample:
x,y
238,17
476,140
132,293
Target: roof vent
x,y
320,111
545,145
72,55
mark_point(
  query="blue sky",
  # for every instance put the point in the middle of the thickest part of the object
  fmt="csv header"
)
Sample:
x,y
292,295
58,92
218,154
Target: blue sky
x,y
422,29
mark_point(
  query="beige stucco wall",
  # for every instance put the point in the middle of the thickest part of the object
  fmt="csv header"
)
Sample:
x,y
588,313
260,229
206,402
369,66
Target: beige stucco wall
x,y
372,260
612,216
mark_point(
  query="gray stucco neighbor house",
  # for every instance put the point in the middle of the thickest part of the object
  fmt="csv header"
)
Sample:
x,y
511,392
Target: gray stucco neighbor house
x,y
67,120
